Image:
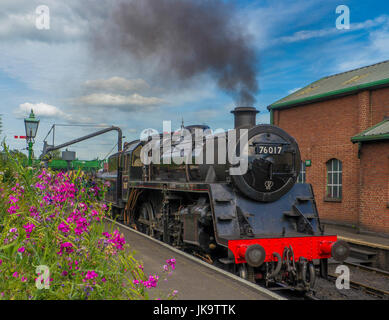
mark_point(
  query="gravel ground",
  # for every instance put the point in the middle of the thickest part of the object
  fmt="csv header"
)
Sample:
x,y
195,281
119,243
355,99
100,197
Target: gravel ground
x,y
326,289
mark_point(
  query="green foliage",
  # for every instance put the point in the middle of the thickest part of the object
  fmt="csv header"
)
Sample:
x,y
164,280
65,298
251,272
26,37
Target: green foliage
x,y
55,220
55,155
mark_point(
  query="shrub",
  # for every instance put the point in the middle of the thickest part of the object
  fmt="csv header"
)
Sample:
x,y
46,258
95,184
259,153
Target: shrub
x,y
53,222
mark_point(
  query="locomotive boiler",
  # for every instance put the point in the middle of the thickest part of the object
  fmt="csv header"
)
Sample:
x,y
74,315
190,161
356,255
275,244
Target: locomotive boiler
x,y
260,224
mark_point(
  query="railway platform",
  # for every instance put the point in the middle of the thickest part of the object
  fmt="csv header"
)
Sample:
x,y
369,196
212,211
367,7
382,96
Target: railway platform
x,y
193,278
366,249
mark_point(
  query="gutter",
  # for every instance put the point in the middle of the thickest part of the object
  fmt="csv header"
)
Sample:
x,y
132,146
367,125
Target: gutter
x,y
370,138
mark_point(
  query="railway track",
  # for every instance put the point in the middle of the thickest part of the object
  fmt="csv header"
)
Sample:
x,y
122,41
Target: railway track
x,y
383,294
366,268
369,289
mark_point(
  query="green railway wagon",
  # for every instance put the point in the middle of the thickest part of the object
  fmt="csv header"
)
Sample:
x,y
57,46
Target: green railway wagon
x,y
92,165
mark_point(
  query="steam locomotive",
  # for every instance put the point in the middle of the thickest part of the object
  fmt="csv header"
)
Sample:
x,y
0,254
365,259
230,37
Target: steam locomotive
x,y
260,224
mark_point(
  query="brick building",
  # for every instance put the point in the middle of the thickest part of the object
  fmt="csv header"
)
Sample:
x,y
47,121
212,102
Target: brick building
x,y
341,123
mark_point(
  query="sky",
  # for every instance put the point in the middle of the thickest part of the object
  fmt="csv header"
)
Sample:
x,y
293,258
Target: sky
x,y
56,73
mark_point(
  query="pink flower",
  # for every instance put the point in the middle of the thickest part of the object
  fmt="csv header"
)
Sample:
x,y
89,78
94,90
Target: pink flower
x,y
21,249
23,279
13,199
117,240
12,209
171,263
67,246
63,227
29,227
90,275
33,211
15,274
152,282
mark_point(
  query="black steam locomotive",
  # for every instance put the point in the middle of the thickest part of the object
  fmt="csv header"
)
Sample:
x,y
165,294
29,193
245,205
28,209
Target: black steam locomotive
x,y
262,225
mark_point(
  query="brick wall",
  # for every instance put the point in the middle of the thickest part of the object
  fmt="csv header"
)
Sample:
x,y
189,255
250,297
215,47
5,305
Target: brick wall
x,y
379,105
323,131
374,210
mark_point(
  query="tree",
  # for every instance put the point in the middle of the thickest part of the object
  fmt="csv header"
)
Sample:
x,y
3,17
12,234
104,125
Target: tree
x,y
55,155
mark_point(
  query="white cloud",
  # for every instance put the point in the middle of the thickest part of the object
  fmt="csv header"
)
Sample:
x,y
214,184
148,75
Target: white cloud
x,y
118,84
375,50
107,100
309,34
266,21
40,109
20,25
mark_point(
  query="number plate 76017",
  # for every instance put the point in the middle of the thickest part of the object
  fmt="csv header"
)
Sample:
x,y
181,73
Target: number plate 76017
x,y
268,149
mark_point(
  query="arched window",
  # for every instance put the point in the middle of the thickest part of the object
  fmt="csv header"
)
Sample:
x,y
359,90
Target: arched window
x,y
302,176
334,179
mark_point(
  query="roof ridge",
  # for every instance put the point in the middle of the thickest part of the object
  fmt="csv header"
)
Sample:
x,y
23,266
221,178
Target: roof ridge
x,y
360,68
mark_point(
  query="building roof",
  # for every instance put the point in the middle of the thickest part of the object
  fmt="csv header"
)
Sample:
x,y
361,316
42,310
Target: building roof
x,y
336,85
378,132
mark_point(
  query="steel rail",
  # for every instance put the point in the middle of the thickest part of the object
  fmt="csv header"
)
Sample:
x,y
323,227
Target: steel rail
x,y
366,288
366,268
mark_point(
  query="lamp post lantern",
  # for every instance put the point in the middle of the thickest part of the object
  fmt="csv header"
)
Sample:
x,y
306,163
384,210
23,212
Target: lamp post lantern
x,y
31,124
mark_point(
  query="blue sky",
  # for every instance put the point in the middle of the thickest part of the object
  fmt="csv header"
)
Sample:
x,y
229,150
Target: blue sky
x,y
51,71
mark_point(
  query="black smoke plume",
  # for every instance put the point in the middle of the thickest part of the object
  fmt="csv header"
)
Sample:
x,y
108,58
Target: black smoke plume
x,y
187,38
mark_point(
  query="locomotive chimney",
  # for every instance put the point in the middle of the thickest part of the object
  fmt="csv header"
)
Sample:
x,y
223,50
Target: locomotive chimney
x,y
245,117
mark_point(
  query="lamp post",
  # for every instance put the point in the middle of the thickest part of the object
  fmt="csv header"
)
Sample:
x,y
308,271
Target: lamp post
x,y
31,124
